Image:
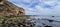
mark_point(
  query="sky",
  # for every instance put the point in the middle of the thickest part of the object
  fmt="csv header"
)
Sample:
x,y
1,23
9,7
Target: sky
x,y
39,7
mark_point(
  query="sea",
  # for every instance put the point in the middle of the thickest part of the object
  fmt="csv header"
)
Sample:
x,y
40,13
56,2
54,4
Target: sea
x,y
45,21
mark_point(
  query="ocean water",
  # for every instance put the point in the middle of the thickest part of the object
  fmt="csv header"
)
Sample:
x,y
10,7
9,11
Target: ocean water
x,y
46,17
45,21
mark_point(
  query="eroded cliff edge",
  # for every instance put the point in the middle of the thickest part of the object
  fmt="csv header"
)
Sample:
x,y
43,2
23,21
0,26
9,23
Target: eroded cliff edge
x,y
8,8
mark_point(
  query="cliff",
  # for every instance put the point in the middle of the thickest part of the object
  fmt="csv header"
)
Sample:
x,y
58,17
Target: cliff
x,y
9,9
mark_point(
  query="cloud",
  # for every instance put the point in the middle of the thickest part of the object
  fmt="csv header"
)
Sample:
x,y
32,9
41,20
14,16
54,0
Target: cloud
x,y
39,7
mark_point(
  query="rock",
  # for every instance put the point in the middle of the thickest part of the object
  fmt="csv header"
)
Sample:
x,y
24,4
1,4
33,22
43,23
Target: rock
x,y
50,20
16,22
11,14
7,8
53,16
48,26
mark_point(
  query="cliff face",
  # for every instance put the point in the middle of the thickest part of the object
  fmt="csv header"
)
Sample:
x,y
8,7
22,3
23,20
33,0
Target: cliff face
x,y
7,9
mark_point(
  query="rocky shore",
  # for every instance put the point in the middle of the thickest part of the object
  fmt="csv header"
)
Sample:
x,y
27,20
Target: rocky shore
x,y
29,21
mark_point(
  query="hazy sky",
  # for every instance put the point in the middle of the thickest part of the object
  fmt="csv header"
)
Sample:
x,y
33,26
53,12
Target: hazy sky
x,y
39,7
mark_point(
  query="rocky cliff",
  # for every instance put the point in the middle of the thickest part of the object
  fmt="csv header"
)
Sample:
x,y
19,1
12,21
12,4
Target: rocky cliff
x,y
8,8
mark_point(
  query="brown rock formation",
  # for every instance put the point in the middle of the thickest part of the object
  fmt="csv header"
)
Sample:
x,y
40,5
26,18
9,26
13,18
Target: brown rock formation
x,y
17,22
7,9
11,12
